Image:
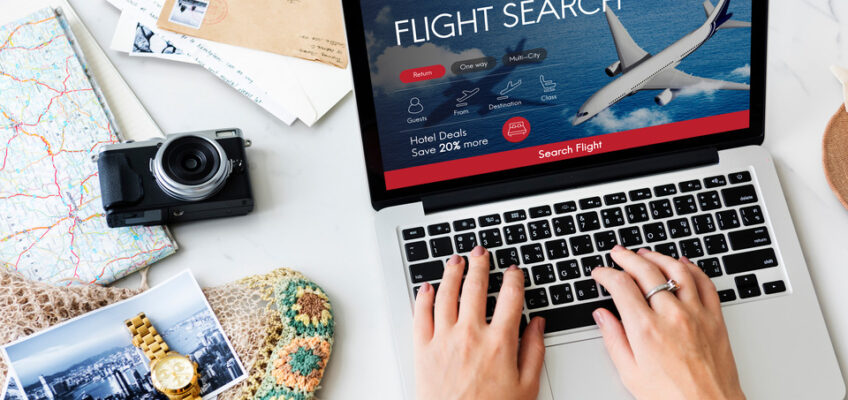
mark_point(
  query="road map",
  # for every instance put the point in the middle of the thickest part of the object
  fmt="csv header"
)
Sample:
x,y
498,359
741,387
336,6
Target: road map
x,y
52,121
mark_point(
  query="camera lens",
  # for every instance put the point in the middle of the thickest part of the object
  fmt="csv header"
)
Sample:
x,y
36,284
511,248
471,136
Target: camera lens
x,y
190,167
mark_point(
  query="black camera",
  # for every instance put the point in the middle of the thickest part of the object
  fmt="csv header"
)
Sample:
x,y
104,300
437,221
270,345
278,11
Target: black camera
x,y
183,177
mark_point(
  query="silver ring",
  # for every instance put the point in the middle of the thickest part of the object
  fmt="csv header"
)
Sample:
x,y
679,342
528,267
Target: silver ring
x,y
186,192
670,286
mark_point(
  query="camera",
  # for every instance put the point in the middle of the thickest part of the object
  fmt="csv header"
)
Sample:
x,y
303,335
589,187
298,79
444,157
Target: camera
x,y
183,177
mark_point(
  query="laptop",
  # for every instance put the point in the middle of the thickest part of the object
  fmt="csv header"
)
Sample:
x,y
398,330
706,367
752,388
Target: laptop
x,y
549,131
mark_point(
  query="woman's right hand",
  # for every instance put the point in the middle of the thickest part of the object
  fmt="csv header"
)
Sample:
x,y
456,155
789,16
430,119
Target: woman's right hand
x,y
674,346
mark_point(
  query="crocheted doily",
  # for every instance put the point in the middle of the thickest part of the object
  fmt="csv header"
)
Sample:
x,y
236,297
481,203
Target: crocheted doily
x,y
280,324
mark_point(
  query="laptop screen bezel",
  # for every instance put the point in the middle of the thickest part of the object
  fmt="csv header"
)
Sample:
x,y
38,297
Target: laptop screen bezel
x,y
381,197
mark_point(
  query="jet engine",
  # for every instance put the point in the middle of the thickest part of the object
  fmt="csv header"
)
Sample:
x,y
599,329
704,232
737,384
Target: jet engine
x,y
614,69
665,97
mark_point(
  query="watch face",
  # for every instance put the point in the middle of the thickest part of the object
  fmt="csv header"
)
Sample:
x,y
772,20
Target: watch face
x,y
173,372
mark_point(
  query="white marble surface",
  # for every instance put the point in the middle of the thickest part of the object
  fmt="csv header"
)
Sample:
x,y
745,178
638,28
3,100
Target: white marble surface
x,y
313,211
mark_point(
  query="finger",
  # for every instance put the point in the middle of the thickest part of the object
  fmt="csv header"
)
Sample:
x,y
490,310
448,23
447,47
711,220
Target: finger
x,y
510,301
706,288
472,302
422,321
674,269
531,354
627,297
645,273
615,340
446,298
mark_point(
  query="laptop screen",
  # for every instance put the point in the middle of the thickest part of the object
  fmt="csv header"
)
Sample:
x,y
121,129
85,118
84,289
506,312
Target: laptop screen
x,y
463,88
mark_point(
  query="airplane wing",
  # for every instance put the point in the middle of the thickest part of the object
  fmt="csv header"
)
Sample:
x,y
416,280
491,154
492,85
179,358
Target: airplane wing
x,y
676,79
629,53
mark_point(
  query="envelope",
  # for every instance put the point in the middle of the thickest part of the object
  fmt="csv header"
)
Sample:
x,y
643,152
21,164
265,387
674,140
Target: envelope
x,y
309,29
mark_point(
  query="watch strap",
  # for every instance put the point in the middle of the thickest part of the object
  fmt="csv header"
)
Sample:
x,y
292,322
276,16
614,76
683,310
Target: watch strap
x,y
146,337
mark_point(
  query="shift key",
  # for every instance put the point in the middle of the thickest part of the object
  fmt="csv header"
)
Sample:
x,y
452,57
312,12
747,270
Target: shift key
x,y
749,261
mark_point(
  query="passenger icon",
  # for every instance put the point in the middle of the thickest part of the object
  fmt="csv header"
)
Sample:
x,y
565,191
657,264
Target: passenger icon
x,y
415,106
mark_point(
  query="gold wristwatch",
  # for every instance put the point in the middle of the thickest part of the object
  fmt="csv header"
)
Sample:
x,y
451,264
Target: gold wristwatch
x,y
173,374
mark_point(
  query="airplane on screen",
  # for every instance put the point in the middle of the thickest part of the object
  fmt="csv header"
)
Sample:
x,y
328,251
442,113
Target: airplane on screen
x,y
640,70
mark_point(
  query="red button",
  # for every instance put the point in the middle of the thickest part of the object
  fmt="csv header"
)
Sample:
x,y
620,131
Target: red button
x,y
516,129
422,74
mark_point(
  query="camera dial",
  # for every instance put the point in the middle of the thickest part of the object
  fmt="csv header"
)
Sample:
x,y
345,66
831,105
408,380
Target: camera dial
x,y
190,167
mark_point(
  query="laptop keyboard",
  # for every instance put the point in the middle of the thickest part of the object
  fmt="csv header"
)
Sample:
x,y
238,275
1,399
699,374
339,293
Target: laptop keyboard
x,y
717,222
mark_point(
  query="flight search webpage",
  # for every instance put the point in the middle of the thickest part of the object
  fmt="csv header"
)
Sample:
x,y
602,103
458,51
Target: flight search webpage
x,y
472,87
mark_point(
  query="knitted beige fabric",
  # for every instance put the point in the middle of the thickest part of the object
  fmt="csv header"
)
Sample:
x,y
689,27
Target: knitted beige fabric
x,y
260,315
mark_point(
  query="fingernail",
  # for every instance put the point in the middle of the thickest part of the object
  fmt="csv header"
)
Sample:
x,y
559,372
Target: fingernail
x,y
642,251
512,267
599,318
455,259
478,251
685,260
425,287
618,247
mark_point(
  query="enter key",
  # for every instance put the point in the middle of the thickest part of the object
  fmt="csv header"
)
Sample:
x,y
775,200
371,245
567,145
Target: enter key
x,y
749,238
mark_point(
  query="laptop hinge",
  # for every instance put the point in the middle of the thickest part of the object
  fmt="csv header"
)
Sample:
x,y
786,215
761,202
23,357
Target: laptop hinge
x,y
570,179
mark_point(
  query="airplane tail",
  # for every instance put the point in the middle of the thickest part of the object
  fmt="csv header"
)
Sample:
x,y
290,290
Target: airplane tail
x,y
722,18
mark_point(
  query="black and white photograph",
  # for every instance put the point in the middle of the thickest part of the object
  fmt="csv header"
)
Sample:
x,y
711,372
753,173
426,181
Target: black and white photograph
x,y
11,390
148,41
92,357
189,12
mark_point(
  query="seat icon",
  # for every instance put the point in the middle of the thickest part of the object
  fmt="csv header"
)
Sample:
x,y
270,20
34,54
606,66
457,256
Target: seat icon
x,y
547,85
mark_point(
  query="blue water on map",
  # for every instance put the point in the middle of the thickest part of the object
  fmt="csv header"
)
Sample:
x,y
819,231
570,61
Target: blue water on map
x,y
579,49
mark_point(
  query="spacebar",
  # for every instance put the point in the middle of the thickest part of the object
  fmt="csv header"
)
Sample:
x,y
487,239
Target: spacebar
x,y
571,317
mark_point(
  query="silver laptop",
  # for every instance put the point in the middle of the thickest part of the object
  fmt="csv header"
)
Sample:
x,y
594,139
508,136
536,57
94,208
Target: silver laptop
x,y
549,131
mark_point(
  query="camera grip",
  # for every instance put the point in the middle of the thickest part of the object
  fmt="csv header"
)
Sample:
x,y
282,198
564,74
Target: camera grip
x,y
119,184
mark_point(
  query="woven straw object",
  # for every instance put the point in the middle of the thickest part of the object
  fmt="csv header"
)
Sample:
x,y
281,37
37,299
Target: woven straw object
x,y
835,154
270,319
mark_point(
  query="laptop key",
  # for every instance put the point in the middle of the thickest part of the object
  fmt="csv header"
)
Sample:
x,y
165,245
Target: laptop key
x,y
539,212
428,271
464,224
605,240
747,286
556,249
640,194
561,294
489,220
689,186
703,224
711,267
439,229
752,215
615,198
573,316
585,290
568,270
715,244
588,221
739,195
565,207
513,216
536,298
543,274
630,236
739,177
654,232
564,226
580,245
416,251
612,217
532,253
774,287
413,233
669,249
490,306
636,213
691,248
465,242
709,200
611,263
539,230
715,181
526,277
491,238
685,205
495,282
749,261
678,228
726,295
727,219
590,263
591,202
665,190
515,234
661,209
749,238
507,257
441,246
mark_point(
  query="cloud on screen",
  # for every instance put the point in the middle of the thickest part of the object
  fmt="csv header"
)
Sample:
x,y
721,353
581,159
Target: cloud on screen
x,y
609,121
388,65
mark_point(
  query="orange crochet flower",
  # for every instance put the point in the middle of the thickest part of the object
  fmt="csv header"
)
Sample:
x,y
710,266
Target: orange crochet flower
x,y
300,364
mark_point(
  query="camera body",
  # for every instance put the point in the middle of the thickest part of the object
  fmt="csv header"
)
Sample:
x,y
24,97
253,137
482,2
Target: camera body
x,y
183,177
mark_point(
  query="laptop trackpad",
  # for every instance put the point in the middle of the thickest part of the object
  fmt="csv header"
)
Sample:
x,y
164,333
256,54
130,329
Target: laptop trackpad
x,y
583,370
